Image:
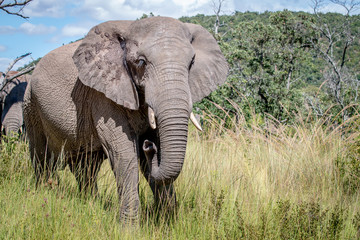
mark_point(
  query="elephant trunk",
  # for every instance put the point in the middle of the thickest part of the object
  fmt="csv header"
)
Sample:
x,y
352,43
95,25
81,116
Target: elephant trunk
x,y
12,113
11,126
172,116
173,139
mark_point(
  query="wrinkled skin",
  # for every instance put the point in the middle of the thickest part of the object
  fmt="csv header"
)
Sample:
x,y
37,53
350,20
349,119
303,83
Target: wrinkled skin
x,y
12,98
91,99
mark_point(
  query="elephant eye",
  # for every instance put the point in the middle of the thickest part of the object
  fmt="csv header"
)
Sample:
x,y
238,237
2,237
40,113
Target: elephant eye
x,y
138,69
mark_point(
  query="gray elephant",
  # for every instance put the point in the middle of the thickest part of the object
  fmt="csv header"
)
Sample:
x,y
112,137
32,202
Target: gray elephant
x,y
12,98
124,92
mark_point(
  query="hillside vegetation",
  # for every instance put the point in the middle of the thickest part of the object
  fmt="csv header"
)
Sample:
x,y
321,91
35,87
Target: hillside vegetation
x,y
286,63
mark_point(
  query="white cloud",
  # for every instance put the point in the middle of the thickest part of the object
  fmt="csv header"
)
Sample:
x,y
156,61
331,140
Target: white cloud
x,y
32,29
337,8
27,28
42,8
3,48
153,1
188,4
271,5
101,10
184,2
7,30
292,5
108,10
74,31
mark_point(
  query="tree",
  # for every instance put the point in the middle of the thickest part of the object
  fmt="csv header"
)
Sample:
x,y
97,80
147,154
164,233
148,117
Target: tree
x,y
276,68
336,38
265,65
147,16
217,10
14,7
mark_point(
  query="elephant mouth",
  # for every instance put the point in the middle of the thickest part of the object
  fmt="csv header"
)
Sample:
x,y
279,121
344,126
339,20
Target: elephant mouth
x,y
152,120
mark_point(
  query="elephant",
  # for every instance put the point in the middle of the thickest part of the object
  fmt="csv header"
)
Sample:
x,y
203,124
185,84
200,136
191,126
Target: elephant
x,y
12,98
125,92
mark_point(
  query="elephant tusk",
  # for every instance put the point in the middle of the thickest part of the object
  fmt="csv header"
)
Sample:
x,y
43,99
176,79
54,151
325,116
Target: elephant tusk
x,y
151,116
195,122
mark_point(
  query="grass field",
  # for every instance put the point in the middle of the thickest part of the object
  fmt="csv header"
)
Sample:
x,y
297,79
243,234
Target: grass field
x,y
274,182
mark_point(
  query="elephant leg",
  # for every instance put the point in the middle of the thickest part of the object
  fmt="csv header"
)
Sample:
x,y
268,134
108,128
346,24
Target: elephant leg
x,y
125,167
164,195
43,162
86,168
119,143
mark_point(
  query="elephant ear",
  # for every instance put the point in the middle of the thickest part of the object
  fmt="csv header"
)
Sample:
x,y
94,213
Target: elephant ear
x,y
100,63
210,67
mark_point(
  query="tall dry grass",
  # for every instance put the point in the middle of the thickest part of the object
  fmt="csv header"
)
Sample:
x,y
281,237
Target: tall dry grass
x,y
253,181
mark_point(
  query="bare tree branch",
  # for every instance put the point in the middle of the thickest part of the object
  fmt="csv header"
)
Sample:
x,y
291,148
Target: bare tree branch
x,y
349,6
314,106
5,79
11,65
15,7
344,54
22,72
217,10
336,38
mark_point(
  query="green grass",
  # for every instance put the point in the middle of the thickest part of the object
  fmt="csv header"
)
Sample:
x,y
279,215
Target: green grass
x,y
274,182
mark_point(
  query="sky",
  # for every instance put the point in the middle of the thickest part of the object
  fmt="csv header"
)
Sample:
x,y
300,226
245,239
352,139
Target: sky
x,y
52,23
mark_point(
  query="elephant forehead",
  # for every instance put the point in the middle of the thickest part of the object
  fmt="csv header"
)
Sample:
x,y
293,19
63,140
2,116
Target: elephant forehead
x,y
166,45
156,28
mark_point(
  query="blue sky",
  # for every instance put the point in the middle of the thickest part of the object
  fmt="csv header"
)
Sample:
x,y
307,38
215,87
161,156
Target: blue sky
x,y
53,23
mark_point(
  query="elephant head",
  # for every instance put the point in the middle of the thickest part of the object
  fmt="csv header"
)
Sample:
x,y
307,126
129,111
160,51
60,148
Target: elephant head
x,y
159,64
12,97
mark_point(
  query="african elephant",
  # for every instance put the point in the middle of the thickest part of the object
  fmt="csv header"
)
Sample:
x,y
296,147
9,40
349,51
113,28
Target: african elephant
x,y
12,97
126,89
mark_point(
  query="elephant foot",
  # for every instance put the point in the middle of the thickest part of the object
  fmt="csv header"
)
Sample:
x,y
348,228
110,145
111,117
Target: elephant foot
x,y
129,219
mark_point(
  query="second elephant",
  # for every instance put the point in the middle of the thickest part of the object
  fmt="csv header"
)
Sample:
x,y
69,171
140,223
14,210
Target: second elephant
x,y
12,99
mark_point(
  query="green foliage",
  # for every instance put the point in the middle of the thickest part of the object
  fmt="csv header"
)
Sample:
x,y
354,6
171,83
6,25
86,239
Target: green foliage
x,y
349,167
12,153
274,63
265,67
356,223
306,220
147,16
